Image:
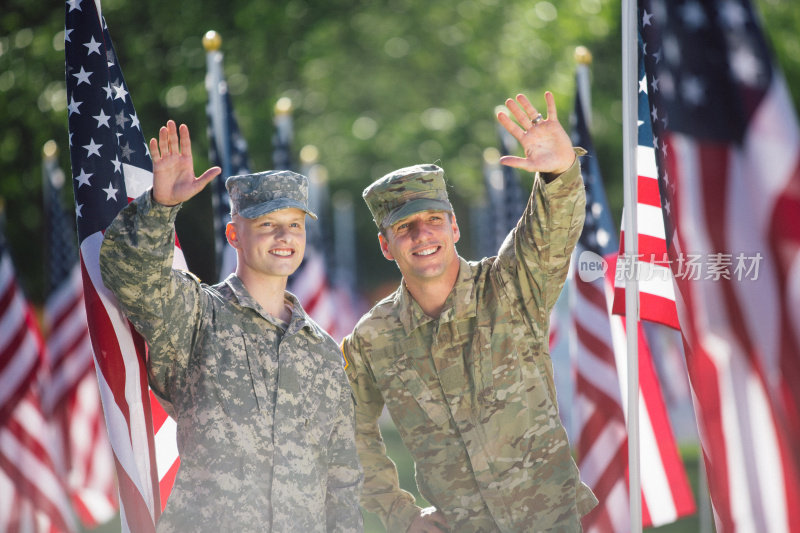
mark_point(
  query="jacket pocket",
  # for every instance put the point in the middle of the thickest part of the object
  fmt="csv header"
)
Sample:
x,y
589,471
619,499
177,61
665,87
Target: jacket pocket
x,y
405,392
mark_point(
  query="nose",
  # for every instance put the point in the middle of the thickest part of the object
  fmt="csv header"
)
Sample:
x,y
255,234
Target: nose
x,y
419,231
282,234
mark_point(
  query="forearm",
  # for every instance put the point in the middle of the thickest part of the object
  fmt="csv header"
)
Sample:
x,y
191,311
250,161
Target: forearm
x,y
545,237
382,494
136,257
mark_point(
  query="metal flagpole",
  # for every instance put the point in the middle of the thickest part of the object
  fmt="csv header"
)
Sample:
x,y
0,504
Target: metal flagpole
x,y
216,91
217,110
630,77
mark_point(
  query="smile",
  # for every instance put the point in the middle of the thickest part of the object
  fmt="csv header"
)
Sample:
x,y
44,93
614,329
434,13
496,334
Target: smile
x,y
427,251
283,252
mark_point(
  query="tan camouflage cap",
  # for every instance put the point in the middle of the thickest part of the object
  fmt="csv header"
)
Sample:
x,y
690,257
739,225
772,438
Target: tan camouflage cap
x,y
407,191
253,195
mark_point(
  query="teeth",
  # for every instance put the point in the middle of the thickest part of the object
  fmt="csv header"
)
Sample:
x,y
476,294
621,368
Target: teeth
x,y
427,251
282,253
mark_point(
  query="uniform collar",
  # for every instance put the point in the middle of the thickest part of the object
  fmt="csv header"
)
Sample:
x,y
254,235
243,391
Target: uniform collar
x,y
299,320
461,302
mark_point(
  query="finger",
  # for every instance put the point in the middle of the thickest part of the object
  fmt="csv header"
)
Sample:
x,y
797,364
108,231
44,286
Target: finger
x,y
172,133
511,126
186,143
154,155
209,175
516,162
526,104
519,114
551,105
163,141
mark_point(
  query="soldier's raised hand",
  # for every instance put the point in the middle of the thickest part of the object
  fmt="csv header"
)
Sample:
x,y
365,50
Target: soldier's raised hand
x,y
173,170
547,146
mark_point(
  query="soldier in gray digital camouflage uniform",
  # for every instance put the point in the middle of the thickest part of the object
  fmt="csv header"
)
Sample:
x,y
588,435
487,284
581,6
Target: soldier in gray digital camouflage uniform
x,y
263,407
459,353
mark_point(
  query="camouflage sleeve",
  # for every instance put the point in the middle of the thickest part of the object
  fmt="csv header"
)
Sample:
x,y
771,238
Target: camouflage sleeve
x,y
344,472
537,259
162,304
382,494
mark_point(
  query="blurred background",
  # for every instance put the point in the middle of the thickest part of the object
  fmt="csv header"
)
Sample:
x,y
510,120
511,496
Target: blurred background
x,y
373,86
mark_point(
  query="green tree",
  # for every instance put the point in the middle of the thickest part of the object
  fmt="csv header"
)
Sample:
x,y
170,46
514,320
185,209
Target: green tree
x,y
375,85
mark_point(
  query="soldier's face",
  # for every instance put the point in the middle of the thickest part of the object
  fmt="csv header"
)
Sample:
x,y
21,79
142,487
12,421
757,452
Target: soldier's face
x,y
423,244
272,244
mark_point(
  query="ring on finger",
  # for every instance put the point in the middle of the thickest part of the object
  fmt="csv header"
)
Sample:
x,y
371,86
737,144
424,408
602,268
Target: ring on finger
x,y
537,119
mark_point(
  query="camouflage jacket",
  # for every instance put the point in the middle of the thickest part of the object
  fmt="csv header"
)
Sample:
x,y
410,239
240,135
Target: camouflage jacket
x,y
265,426
472,392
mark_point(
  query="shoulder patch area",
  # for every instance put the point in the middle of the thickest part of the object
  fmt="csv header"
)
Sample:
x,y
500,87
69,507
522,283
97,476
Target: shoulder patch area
x,y
188,274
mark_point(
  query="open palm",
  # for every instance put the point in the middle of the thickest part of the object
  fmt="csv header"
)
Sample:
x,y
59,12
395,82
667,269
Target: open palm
x,y
547,146
173,169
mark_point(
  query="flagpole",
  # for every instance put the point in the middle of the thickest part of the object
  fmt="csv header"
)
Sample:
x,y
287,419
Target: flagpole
x,y
583,57
216,91
629,137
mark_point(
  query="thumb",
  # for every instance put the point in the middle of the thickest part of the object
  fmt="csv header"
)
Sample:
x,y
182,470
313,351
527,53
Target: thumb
x,y
209,175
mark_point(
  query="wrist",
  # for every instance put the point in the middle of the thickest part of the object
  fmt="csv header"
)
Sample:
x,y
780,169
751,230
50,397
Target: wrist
x,y
161,202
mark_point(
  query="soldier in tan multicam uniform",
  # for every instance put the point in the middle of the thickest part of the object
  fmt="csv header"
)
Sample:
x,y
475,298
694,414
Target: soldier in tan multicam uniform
x,y
459,353
264,411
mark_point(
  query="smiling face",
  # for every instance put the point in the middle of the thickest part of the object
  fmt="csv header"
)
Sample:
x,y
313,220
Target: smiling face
x,y
423,246
271,245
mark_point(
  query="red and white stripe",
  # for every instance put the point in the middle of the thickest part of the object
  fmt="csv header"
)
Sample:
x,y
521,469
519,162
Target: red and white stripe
x,y
28,470
656,286
330,307
88,460
31,482
743,350
127,401
72,401
69,348
600,362
20,350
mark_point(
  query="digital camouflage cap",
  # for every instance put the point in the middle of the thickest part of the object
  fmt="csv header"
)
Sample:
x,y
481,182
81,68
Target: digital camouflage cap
x,y
407,191
254,195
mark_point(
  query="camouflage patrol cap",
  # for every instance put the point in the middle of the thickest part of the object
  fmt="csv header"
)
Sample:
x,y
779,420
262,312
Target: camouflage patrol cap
x,y
253,195
407,191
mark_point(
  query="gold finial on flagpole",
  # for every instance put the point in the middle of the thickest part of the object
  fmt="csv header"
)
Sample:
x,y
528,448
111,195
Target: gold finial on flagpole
x,y
583,55
212,41
283,106
50,149
309,154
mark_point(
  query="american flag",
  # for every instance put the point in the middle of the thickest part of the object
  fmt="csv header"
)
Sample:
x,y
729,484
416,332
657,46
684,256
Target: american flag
x,y
505,195
71,399
729,142
110,166
227,149
656,286
600,367
311,282
34,494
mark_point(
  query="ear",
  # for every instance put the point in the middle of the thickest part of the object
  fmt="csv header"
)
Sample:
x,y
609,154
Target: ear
x,y
385,247
232,235
454,225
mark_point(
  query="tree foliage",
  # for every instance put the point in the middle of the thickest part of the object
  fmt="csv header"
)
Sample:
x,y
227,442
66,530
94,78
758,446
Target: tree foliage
x,y
375,85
